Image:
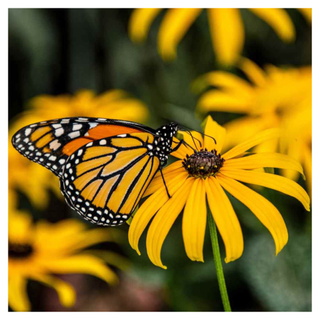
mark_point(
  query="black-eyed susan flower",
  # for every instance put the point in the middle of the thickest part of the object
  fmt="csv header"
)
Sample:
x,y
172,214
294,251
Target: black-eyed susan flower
x,y
203,176
275,97
116,104
226,27
37,251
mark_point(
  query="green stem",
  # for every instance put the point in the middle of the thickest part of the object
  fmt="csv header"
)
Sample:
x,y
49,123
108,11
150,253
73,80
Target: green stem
x,y
218,264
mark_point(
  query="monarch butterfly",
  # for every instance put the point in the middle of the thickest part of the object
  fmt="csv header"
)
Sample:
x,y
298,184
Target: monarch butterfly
x,y
104,165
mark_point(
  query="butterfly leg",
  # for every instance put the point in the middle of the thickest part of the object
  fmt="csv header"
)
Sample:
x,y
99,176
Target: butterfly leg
x,y
177,146
164,181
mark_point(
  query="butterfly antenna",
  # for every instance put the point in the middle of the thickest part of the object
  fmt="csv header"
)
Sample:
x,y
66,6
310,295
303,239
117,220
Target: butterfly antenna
x,y
193,139
184,128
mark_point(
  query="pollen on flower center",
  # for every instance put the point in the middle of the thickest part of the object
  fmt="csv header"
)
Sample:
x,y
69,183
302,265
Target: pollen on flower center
x,y
19,251
203,164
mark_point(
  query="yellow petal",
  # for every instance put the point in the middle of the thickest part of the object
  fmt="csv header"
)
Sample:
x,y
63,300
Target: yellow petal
x,y
66,293
307,13
243,128
271,181
128,109
265,160
150,207
264,210
17,294
229,82
194,221
271,146
307,163
182,151
163,222
225,219
140,22
20,227
111,258
253,72
110,96
278,20
68,236
248,144
227,33
174,26
213,129
82,263
214,100
169,173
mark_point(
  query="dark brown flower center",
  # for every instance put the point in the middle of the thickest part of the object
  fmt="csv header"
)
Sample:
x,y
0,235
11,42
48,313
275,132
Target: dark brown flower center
x,y
19,251
203,164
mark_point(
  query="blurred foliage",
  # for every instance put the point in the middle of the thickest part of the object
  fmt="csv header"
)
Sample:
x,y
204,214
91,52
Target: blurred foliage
x,y
59,51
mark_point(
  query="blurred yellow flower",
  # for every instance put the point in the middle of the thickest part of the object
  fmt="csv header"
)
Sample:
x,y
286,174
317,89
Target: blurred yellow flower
x,y
205,173
274,97
226,27
114,104
36,251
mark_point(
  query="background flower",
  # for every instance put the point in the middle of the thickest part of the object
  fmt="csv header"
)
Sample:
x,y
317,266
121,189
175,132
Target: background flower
x,y
271,97
200,174
37,251
226,28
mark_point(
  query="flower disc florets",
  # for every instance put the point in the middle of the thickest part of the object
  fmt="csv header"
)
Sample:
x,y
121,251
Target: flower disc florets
x,y
19,251
203,164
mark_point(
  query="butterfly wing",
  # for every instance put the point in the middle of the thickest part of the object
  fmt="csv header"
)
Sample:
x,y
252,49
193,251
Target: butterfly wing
x,y
51,143
104,179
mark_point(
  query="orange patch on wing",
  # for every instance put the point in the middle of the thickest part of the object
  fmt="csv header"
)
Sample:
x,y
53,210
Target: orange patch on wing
x,y
46,150
101,198
97,151
122,159
91,164
128,178
44,141
40,132
74,145
109,130
86,178
89,192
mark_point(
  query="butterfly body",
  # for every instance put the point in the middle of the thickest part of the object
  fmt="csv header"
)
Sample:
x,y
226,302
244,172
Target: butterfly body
x,y
104,165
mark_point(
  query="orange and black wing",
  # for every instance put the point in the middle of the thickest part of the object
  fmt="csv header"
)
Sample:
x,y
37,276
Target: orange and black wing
x,y
104,179
51,143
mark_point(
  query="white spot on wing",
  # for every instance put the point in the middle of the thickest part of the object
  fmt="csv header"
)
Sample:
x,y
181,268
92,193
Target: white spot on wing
x,y
74,134
103,142
76,126
27,131
59,132
54,145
